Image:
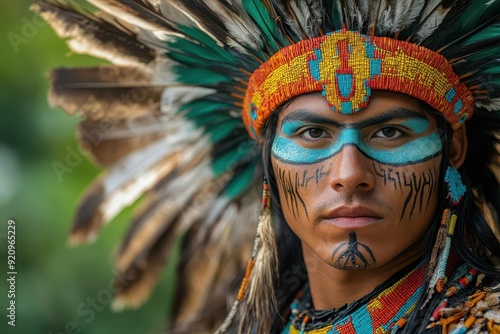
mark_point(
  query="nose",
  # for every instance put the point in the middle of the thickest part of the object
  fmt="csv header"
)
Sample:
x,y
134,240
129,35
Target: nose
x,y
352,171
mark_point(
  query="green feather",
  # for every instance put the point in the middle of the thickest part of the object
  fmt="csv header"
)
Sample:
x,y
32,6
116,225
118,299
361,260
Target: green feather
x,y
484,34
474,15
494,69
213,119
199,35
220,131
223,162
198,76
235,156
491,53
335,16
240,182
259,13
200,107
206,49
187,59
477,13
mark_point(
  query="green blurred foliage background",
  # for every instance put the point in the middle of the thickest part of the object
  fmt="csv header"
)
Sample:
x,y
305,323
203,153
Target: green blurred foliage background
x,y
53,280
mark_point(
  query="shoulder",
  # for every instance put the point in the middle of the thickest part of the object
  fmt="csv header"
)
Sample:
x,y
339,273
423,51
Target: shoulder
x,y
472,310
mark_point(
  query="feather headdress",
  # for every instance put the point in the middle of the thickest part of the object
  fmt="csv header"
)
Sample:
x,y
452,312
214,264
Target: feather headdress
x,y
165,119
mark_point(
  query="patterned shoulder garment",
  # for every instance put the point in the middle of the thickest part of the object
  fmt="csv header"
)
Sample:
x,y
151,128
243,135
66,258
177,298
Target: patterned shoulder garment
x,y
469,304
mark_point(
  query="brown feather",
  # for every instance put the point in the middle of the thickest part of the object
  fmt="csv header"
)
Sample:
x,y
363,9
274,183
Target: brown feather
x,y
107,142
138,13
205,16
154,219
87,218
208,281
159,213
105,92
210,271
99,202
208,284
94,35
143,276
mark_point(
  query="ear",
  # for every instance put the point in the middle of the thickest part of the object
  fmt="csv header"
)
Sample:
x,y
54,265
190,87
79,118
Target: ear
x,y
458,149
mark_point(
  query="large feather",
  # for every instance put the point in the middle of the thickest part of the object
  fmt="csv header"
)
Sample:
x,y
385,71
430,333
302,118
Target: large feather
x,y
302,17
94,35
261,13
334,16
137,13
175,199
403,14
128,179
153,233
194,312
433,14
243,34
105,92
107,142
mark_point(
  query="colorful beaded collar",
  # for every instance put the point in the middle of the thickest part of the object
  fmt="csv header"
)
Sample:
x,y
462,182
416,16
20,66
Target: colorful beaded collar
x,y
345,66
379,312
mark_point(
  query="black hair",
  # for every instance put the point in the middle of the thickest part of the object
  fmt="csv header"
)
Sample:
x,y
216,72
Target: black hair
x,y
480,245
473,237
292,270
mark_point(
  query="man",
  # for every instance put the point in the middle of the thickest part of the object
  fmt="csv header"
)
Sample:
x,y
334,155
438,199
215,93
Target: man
x,y
378,124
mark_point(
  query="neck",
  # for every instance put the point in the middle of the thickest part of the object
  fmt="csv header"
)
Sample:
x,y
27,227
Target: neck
x,y
332,288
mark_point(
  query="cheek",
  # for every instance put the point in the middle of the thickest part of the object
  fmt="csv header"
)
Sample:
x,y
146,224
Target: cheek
x,y
298,187
292,201
413,188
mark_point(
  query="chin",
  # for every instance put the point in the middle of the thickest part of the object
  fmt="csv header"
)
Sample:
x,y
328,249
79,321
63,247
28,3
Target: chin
x,y
352,267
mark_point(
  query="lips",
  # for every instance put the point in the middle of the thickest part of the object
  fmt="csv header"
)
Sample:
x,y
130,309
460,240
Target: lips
x,y
353,217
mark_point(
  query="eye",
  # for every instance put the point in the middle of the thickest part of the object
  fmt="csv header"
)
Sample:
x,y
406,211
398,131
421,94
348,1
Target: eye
x,y
313,133
389,132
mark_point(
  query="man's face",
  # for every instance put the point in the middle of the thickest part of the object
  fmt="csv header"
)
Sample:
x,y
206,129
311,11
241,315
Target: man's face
x,y
358,189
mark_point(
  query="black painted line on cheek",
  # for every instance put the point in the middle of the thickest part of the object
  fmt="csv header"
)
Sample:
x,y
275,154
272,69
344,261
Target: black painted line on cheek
x,y
399,181
304,176
408,198
305,179
390,178
292,194
416,183
432,177
426,184
381,172
298,195
284,189
320,173
290,190
418,188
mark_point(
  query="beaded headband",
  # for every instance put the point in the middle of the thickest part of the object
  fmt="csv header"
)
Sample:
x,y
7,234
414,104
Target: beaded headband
x,y
345,66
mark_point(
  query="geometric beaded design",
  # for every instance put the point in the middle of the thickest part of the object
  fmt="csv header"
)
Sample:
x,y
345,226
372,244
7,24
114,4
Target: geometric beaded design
x,y
345,66
379,314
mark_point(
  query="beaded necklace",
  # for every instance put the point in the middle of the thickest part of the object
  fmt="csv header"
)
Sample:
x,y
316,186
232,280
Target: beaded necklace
x,y
378,312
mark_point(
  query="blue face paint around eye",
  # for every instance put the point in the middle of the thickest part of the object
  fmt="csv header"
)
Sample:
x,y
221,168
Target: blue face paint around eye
x,y
417,125
289,128
415,151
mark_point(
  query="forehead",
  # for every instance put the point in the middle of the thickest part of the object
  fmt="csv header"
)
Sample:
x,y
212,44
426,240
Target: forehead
x,y
380,103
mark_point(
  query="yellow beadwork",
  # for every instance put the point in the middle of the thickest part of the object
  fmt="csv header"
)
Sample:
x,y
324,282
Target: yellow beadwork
x,y
345,66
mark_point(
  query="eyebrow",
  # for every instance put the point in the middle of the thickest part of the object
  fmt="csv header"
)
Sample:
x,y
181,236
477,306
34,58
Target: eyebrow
x,y
308,115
